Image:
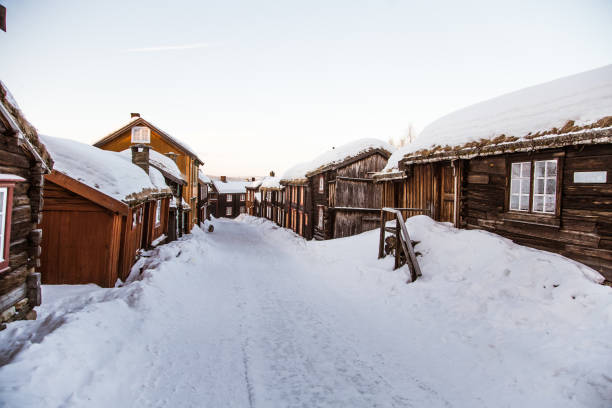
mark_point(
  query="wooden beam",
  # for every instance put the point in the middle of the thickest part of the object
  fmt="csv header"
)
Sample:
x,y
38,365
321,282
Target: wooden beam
x,y
87,192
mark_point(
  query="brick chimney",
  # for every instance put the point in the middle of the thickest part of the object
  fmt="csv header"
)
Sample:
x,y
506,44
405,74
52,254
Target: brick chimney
x,y
135,115
140,156
223,179
272,173
252,178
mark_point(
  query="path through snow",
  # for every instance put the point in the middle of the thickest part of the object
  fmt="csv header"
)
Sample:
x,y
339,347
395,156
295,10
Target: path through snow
x,y
252,316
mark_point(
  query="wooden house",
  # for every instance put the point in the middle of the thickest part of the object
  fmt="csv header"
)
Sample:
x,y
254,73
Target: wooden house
x,y
204,182
23,162
101,209
229,197
335,196
141,131
534,166
253,198
271,206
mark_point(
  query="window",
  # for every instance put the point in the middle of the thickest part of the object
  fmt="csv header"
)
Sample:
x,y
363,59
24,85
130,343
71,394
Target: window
x,y
242,196
134,218
228,211
545,187
321,183
268,196
320,225
242,210
519,186
228,198
3,223
539,195
141,134
158,212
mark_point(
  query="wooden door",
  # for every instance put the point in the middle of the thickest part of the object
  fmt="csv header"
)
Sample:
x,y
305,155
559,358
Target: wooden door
x,y
447,193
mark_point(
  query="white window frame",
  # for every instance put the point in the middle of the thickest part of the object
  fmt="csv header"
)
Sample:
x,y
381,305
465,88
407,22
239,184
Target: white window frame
x,y
521,181
546,197
242,209
158,212
321,183
229,198
3,216
141,134
242,197
229,211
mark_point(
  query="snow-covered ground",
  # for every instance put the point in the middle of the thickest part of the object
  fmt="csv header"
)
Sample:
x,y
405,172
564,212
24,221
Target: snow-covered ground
x,y
252,315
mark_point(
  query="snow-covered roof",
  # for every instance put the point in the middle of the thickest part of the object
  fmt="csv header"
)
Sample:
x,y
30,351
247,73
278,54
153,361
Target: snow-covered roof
x,y
543,110
160,161
334,157
9,109
203,177
231,187
271,183
10,177
255,184
111,173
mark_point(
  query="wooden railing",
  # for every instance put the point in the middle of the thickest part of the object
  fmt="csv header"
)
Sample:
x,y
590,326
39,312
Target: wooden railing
x,y
402,243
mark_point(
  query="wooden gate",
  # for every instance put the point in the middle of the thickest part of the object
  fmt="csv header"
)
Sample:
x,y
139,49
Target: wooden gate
x,y
447,193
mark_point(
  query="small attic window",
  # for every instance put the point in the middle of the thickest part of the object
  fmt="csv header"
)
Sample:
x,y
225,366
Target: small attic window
x,y
141,134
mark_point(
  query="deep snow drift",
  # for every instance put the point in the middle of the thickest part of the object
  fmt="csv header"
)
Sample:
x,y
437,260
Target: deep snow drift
x,y
252,315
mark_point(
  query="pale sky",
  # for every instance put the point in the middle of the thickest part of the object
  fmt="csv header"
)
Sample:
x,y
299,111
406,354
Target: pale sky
x,y
255,86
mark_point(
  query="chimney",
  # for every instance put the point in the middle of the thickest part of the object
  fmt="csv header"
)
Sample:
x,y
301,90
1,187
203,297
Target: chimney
x,y
272,174
171,155
223,179
252,178
140,156
135,115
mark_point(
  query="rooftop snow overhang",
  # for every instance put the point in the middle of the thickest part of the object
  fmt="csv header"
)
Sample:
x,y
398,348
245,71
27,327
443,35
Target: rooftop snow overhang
x,y
168,175
396,174
503,144
348,160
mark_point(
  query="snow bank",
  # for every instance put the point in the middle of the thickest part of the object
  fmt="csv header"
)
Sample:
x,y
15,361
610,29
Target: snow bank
x,y
108,172
336,155
584,98
204,177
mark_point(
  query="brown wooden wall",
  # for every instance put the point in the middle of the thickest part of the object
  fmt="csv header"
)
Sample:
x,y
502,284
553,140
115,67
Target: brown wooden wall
x,y
81,242
131,241
25,238
582,230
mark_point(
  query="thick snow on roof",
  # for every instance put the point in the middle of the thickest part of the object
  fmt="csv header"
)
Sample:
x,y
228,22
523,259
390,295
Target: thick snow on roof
x,y
584,98
231,187
203,177
157,159
108,172
255,184
271,182
334,156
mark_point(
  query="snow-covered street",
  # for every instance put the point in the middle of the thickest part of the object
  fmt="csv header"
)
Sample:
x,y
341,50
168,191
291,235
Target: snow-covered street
x,y
253,316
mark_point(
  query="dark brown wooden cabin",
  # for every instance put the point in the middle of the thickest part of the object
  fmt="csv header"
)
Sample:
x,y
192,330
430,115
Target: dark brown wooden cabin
x,y
345,199
203,185
23,162
253,198
271,206
498,190
297,203
229,197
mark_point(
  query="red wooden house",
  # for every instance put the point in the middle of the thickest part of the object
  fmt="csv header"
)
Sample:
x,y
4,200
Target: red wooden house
x,y
100,211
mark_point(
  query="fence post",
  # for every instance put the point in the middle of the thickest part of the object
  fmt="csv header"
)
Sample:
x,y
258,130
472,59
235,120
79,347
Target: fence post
x,y
398,243
381,244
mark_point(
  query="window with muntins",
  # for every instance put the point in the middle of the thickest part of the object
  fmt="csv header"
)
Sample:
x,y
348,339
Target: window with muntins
x,y
141,134
241,197
533,186
228,211
228,198
321,184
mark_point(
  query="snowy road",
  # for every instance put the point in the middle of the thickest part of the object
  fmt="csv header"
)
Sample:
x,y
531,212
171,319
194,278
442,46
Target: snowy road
x,y
252,316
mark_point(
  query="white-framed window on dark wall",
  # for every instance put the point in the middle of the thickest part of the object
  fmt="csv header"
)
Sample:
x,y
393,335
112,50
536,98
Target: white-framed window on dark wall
x,y
228,211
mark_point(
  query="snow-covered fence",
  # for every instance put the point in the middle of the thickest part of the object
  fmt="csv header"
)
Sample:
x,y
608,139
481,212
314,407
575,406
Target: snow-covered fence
x,y
401,242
